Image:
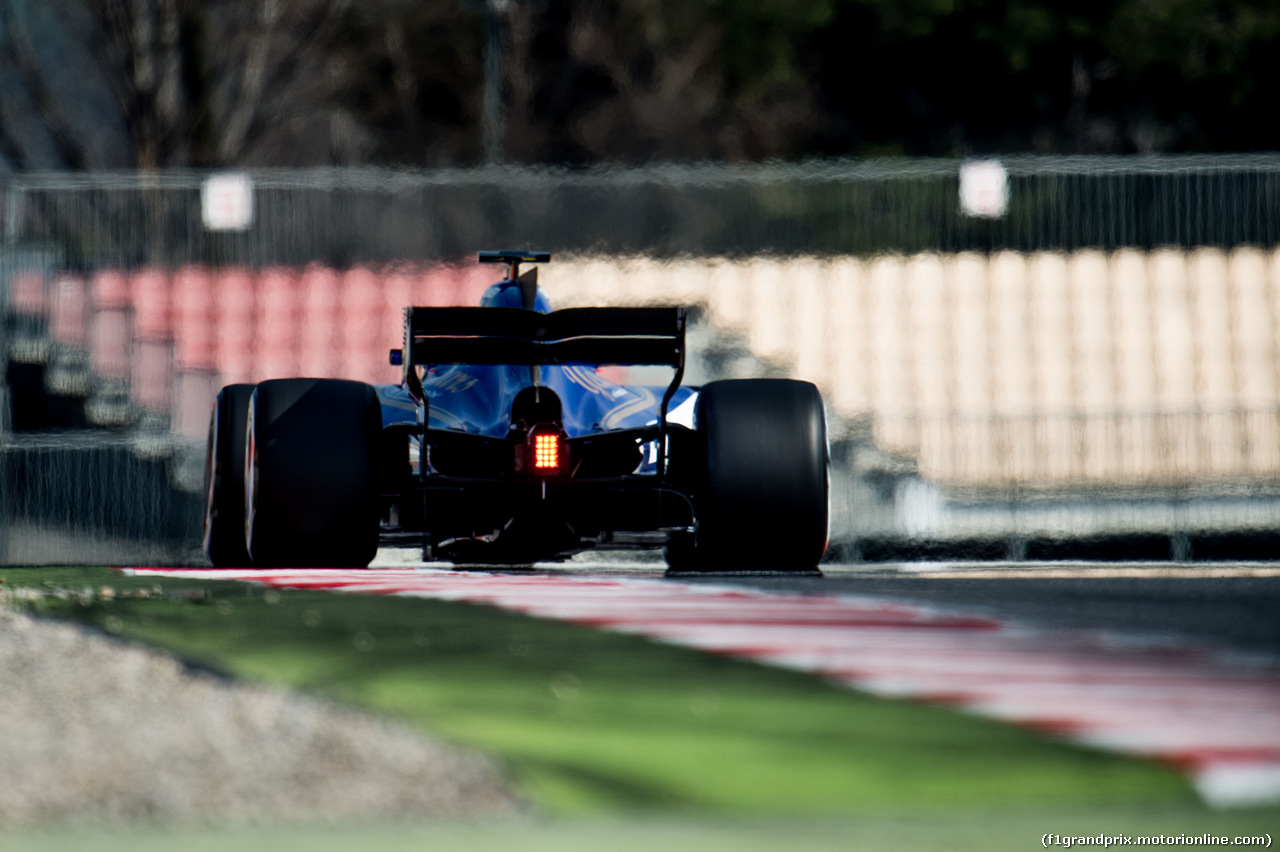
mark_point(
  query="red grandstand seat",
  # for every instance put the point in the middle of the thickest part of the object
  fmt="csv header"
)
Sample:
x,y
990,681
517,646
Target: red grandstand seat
x,y
27,295
195,380
233,309
319,321
432,287
472,280
149,289
68,311
109,325
110,289
193,318
109,336
278,318
152,369
363,346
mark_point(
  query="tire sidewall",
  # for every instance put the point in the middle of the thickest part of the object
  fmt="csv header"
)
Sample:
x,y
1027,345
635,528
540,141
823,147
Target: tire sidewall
x,y
223,527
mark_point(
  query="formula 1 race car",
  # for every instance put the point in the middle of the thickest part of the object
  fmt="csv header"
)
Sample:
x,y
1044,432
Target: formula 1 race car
x,y
504,444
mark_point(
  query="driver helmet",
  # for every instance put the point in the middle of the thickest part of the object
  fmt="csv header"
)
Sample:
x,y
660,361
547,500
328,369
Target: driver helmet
x,y
506,294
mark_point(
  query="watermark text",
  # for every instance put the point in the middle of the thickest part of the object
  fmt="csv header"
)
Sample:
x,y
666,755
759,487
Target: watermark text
x,y
1066,841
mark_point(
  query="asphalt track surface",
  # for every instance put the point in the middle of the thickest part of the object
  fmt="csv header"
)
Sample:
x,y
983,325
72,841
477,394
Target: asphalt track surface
x,y
1230,603
1236,604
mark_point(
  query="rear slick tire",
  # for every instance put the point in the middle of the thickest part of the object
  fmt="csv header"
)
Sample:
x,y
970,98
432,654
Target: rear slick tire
x,y
224,539
763,505
312,495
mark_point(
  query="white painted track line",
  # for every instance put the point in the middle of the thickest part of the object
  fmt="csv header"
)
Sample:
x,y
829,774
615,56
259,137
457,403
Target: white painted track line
x,y
1212,712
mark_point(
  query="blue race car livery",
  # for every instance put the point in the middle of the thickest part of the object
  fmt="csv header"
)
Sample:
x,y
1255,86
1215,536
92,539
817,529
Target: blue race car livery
x,y
506,442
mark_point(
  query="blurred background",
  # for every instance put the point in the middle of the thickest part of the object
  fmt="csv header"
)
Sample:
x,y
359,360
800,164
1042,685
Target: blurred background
x,y
1027,251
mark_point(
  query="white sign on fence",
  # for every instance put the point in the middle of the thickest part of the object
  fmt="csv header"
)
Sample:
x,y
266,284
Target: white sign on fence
x,y
984,189
226,202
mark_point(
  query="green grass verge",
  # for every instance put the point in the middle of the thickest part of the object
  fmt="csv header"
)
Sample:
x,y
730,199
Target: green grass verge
x,y
594,723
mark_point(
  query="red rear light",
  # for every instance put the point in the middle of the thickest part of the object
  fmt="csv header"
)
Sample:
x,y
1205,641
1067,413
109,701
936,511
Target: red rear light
x,y
543,452
546,452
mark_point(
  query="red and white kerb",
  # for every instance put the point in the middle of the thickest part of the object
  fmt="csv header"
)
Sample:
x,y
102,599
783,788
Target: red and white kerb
x,y
1212,712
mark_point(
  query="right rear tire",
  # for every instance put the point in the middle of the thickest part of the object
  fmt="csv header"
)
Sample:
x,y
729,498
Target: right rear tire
x,y
761,503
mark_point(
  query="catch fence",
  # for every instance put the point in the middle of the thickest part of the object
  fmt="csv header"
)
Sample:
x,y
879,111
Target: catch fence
x,y
1095,357
826,208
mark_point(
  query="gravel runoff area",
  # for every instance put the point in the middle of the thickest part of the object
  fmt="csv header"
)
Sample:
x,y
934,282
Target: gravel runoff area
x,y
94,729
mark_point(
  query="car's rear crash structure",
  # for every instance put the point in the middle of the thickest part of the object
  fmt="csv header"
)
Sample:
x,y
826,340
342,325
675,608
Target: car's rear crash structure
x,y
507,443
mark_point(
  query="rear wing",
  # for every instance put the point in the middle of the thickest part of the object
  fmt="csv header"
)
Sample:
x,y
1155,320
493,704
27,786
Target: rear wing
x,y
514,336
623,336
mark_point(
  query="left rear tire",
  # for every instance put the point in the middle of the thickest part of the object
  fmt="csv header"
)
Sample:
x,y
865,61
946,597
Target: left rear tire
x,y
312,486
